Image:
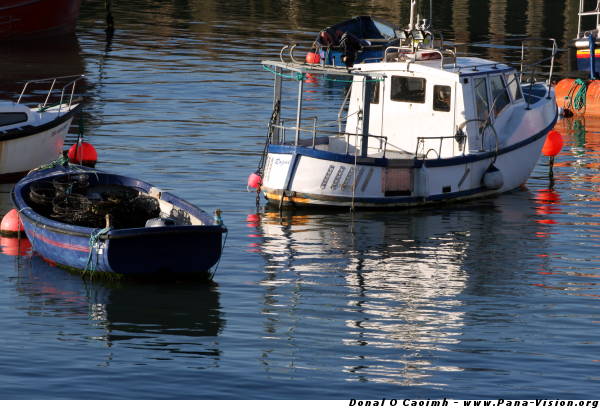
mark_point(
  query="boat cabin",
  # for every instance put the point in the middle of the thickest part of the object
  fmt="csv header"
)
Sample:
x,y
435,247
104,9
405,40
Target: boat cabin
x,y
12,114
430,110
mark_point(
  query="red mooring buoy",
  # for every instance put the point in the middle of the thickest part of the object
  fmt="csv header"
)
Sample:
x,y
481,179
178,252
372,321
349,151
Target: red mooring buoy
x,y
84,154
254,181
11,224
553,144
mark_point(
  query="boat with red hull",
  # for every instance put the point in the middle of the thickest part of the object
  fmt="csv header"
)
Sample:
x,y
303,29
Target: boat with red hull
x,y
32,18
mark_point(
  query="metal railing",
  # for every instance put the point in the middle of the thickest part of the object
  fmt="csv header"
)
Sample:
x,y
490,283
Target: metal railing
x,y
581,13
523,67
411,54
315,139
421,146
68,89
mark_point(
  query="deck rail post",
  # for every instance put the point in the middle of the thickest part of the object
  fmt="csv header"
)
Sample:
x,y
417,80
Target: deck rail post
x,y
276,102
299,110
366,110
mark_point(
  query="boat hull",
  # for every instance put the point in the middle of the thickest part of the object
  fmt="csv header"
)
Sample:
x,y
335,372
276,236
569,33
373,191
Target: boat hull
x,y
24,149
167,251
36,18
161,252
304,176
583,60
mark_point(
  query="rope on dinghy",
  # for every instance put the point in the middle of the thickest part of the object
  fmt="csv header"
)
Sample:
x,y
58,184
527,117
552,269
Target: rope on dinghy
x,y
214,272
218,221
94,241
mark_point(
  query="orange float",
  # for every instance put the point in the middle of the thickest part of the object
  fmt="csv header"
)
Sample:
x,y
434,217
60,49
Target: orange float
x,y
565,92
592,98
313,58
553,144
568,96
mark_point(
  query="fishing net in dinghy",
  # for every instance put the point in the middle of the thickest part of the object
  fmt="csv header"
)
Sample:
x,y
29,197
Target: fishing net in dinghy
x,y
72,199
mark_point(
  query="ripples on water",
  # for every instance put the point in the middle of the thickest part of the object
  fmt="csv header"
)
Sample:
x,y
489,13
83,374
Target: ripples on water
x,y
495,298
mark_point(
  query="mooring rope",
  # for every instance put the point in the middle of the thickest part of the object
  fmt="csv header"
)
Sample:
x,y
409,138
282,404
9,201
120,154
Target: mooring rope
x,y
213,273
61,161
93,244
576,100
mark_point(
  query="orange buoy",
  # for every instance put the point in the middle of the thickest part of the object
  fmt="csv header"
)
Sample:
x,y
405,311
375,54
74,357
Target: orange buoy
x,y
562,90
15,246
592,98
85,155
566,92
553,144
313,58
11,224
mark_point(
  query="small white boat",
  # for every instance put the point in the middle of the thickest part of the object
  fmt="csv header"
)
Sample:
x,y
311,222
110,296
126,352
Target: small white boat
x,y
422,126
34,135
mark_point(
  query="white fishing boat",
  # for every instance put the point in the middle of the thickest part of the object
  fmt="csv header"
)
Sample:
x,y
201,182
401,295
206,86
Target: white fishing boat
x,y
32,135
422,126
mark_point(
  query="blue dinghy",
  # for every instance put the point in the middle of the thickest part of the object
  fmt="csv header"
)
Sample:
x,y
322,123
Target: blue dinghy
x,y
101,223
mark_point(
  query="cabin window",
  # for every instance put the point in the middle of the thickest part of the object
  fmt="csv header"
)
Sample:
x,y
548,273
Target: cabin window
x,y
441,97
375,92
500,98
481,100
10,118
408,89
513,87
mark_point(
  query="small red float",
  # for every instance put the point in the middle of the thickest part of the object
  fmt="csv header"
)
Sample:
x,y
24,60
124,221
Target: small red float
x,y
254,181
11,224
313,58
553,144
84,154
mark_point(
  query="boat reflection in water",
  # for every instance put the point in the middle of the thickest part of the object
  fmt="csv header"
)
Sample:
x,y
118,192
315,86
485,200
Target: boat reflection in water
x,y
396,290
41,58
166,318
583,134
11,246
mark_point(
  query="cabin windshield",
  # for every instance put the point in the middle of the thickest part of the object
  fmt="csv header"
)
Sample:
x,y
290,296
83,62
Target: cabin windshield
x,y
481,100
513,86
500,98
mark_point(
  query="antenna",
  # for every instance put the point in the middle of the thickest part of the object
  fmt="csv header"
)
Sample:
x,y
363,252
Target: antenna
x,y
411,24
430,13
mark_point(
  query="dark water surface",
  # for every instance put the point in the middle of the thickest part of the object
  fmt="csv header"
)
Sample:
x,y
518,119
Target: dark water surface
x,y
496,298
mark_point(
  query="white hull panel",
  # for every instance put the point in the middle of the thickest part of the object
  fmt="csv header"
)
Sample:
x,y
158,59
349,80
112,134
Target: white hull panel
x,y
318,181
22,154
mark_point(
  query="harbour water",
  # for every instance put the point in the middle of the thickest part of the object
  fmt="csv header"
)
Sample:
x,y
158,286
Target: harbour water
x,y
490,299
